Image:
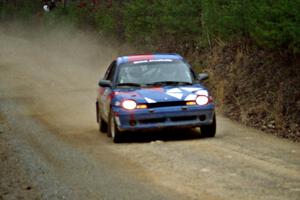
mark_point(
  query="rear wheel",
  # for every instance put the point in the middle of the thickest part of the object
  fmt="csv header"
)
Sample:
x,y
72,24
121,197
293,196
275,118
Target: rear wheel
x,y
209,130
112,129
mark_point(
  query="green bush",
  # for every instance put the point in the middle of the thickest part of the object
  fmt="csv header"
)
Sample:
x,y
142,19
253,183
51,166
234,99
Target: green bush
x,y
271,24
109,19
277,25
17,9
169,24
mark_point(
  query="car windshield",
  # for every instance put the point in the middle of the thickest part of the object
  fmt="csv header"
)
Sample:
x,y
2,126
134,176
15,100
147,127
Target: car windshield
x,y
145,72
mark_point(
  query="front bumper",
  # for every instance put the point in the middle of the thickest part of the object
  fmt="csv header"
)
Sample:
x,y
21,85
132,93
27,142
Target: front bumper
x,y
163,117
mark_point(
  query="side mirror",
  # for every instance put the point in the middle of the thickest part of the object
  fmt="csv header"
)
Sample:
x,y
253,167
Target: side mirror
x,y
202,76
105,83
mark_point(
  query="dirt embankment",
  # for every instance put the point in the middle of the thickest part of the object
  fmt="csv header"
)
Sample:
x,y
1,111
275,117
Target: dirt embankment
x,y
256,87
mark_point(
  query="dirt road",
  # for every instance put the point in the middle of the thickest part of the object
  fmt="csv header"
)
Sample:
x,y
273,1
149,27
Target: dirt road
x,y
51,149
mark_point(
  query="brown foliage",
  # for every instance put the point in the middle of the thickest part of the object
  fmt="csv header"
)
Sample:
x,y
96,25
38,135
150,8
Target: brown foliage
x,y
257,87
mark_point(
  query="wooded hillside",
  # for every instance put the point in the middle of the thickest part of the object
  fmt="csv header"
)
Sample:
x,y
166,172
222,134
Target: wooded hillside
x,y
177,24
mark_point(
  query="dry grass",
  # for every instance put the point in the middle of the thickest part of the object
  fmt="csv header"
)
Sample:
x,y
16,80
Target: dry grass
x,y
257,88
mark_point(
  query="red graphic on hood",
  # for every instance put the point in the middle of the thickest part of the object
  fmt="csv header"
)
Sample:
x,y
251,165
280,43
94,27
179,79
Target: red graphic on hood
x,y
140,57
158,89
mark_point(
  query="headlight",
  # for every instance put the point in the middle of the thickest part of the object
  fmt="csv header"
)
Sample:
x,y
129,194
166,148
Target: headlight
x,y
202,100
129,104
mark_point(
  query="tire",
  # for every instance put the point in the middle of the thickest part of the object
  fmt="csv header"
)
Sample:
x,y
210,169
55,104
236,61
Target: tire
x,y
112,129
103,127
208,131
101,123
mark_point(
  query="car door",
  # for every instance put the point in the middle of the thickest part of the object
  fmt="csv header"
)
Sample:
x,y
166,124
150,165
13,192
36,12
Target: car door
x,y
105,92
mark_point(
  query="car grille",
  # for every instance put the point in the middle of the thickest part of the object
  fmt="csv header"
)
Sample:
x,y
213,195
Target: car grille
x,y
166,104
170,119
155,120
184,118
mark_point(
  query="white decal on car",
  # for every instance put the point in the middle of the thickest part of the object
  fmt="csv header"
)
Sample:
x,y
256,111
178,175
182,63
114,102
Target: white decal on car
x,y
202,92
175,92
149,100
189,89
176,95
190,97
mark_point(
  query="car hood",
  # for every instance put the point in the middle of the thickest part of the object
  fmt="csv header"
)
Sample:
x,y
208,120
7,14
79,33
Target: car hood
x,y
162,94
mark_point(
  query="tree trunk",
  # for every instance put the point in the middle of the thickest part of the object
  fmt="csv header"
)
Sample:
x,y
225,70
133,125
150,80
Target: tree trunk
x,y
65,3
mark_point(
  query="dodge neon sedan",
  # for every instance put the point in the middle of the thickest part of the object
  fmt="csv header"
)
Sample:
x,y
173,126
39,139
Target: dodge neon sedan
x,y
154,91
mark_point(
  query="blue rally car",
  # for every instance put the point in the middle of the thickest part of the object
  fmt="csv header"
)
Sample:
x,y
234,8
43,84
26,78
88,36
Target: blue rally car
x,y
143,92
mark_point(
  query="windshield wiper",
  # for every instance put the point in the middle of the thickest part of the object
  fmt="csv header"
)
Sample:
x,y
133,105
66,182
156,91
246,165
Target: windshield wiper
x,y
129,84
170,83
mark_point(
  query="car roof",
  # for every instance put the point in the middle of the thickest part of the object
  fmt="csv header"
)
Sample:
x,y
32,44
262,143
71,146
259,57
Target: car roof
x,y
139,57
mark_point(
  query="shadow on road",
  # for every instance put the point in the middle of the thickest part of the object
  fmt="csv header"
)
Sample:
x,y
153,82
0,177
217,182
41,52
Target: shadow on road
x,y
164,135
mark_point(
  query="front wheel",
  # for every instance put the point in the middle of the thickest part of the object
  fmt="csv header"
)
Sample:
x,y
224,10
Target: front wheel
x,y
102,125
112,129
209,130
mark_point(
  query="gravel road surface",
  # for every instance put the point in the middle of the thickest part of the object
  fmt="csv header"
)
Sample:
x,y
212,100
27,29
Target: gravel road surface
x,y
50,147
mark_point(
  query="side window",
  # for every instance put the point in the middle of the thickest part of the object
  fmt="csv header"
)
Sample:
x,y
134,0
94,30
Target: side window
x,y
110,71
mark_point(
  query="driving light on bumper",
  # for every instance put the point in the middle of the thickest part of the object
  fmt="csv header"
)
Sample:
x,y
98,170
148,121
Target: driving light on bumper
x,y
190,103
129,104
141,106
202,100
